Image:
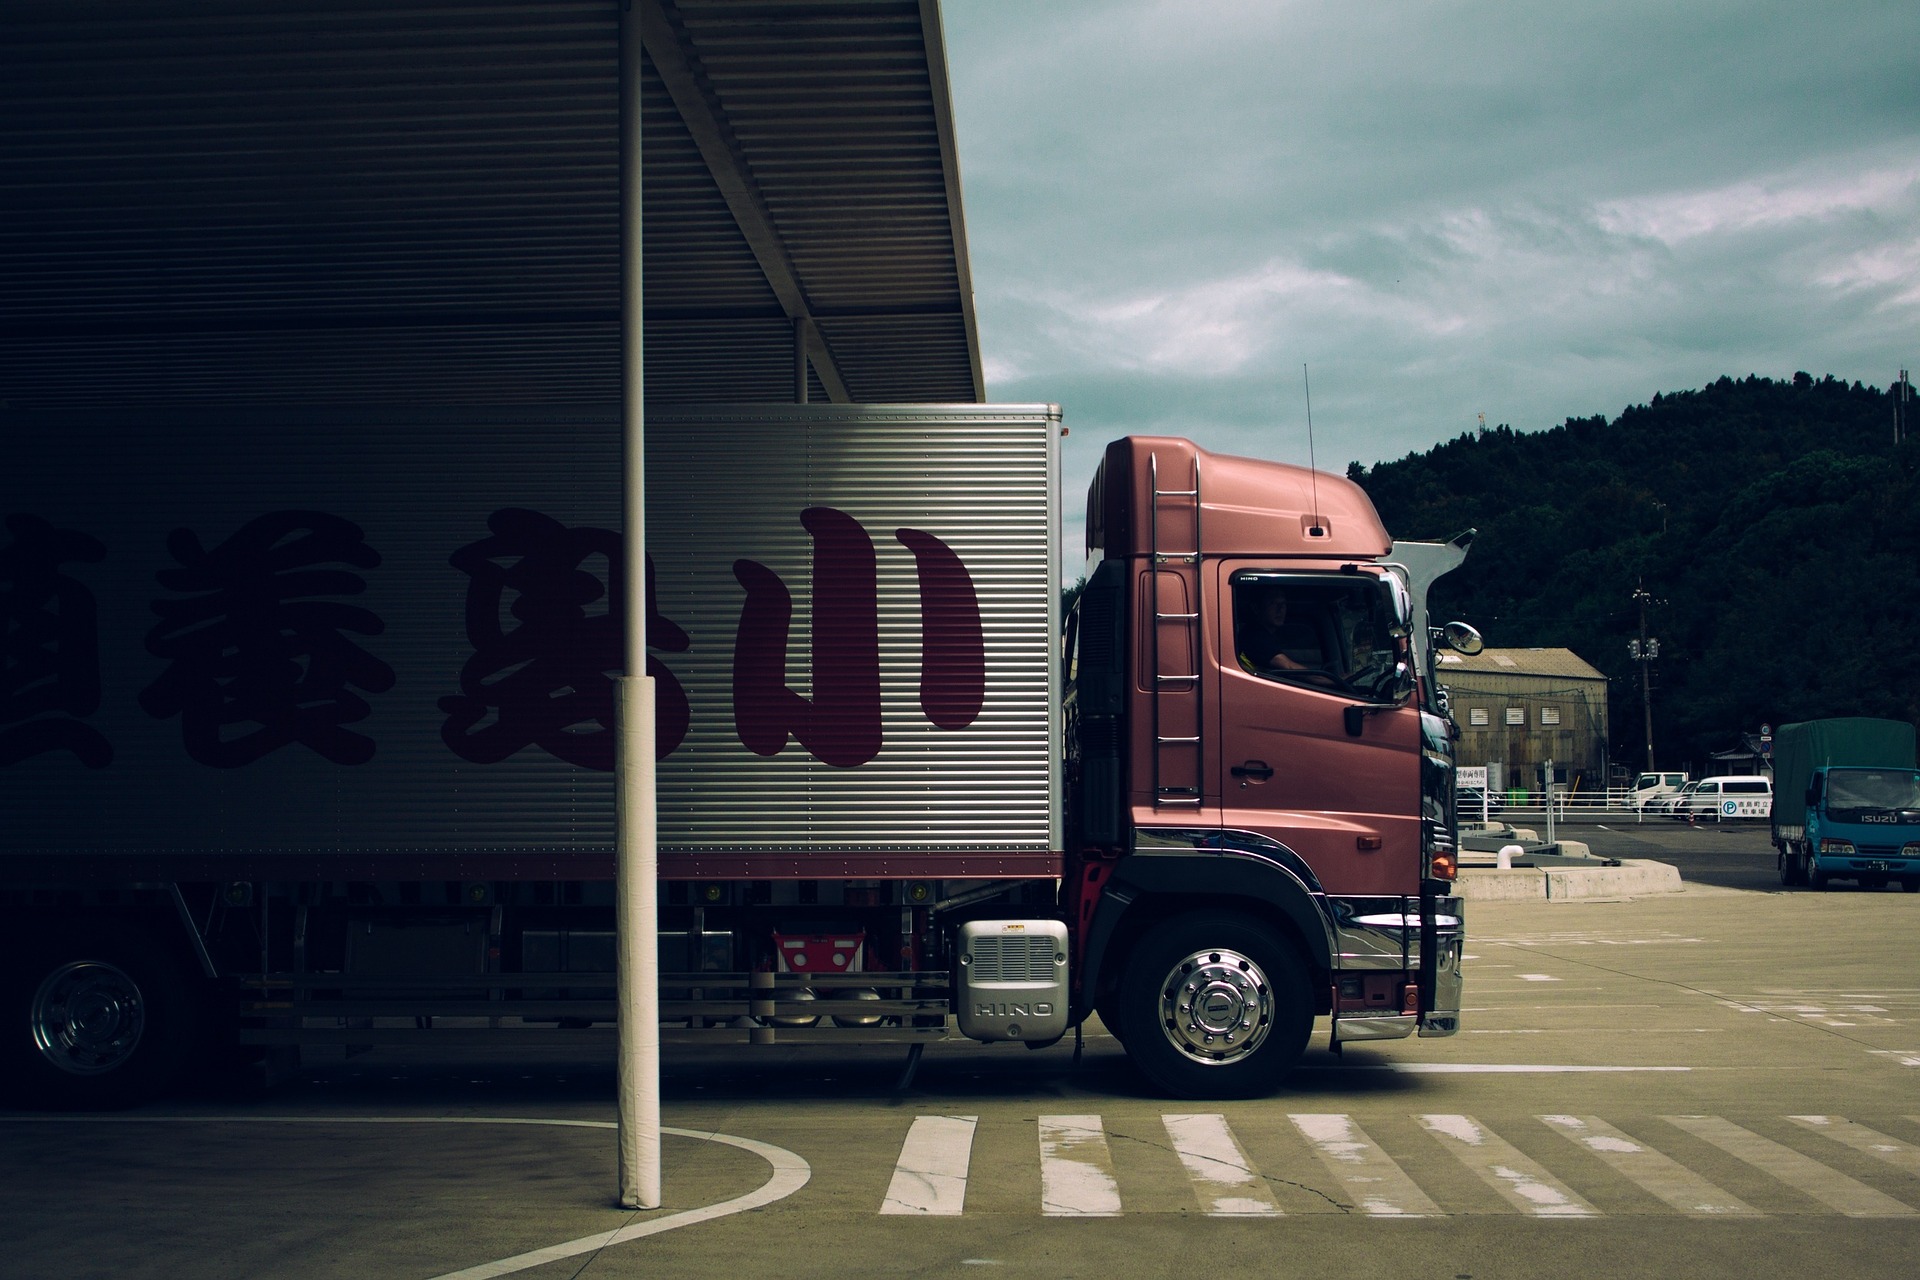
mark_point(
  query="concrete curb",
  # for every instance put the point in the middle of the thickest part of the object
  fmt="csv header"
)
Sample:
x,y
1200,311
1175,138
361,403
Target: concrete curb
x,y
1633,878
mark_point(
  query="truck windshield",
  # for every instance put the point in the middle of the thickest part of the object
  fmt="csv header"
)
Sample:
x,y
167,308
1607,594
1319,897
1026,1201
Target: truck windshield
x,y
1873,789
1345,634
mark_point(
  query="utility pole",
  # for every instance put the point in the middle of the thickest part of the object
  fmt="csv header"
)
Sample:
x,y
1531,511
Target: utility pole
x,y
1902,397
1644,651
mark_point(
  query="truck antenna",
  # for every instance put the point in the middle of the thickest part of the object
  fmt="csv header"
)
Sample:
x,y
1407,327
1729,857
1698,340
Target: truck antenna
x,y
1313,468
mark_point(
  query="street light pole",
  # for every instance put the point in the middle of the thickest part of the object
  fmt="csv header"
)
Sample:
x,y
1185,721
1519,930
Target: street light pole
x,y
1644,651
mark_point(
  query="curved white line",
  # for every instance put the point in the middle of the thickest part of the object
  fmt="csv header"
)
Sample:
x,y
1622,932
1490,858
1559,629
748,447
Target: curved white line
x,y
790,1173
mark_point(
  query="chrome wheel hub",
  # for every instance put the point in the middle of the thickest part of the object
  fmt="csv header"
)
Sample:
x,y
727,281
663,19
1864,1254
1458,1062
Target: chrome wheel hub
x,y
1216,1006
87,1017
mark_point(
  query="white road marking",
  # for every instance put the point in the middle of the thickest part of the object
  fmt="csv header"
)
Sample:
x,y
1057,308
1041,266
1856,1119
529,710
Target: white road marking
x,y
1076,1169
1536,977
1653,1172
1905,1057
1901,1155
1519,1181
1223,1177
1803,1173
1483,1068
931,1175
1380,1188
790,1173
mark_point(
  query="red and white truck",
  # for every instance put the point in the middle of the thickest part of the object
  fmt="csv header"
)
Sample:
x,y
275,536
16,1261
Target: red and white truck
x,y
306,739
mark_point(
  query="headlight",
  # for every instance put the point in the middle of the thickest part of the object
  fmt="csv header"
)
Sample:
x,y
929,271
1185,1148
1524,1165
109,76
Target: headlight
x,y
1836,846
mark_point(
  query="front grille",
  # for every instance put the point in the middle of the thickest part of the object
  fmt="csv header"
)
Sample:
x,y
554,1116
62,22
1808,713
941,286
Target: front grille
x,y
1013,958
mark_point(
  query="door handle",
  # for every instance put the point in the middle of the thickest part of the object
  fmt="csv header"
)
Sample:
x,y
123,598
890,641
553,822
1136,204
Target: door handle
x,y
1252,769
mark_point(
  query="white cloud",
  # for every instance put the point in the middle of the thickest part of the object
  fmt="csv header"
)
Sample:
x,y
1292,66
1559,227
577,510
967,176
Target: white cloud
x,y
1769,201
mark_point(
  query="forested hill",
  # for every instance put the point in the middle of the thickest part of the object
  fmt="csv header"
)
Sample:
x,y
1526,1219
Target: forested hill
x,y
1777,525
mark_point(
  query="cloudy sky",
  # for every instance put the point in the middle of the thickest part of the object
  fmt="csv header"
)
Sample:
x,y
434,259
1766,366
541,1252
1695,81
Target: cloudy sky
x,y
1531,211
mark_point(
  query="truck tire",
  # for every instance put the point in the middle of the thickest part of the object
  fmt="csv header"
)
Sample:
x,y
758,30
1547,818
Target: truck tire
x,y
1786,860
1815,878
96,1018
1214,1004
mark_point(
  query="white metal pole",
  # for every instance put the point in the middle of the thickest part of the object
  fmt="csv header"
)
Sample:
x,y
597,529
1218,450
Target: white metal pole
x,y
636,850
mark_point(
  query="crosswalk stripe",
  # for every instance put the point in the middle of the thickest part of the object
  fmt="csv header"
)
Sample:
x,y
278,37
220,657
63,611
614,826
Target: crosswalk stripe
x,y
1803,1173
1901,1155
1076,1169
1223,1177
1379,1187
1653,1172
1519,1181
931,1174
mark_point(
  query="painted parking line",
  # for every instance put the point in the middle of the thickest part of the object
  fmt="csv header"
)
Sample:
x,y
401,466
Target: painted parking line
x,y
1519,1181
1076,1169
1379,1187
931,1175
1223,1177
1651,1171
1803,1173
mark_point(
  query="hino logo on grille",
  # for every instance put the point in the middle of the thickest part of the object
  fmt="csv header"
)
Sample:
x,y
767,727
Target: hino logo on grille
x,y
1035,1009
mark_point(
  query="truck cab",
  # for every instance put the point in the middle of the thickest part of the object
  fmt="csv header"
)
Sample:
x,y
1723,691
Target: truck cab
x,y
1259,784
1864,825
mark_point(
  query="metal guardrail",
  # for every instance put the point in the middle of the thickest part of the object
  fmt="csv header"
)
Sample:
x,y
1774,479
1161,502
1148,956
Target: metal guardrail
x,y
1577,807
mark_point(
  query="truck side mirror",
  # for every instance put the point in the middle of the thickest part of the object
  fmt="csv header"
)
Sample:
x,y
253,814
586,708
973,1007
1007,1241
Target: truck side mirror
x,y
1462,638
1813,790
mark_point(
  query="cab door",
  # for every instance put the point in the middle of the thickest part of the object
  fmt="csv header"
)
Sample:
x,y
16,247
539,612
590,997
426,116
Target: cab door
x,y
1288,768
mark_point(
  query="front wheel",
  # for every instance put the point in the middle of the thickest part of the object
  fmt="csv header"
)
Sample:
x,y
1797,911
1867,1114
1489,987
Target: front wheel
x,y
1815,877
1215,1005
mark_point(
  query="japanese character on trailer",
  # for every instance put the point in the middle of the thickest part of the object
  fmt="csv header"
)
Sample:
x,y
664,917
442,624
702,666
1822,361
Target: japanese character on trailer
x,y
841,724
258,654
547,678
49,645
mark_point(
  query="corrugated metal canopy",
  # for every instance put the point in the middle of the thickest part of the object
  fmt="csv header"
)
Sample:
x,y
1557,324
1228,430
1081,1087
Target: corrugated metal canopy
x,y
361,202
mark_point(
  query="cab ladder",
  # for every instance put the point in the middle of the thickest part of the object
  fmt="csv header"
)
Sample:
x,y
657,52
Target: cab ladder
x,y
1179,690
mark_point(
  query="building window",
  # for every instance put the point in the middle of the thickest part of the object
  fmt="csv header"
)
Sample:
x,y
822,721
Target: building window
x,y
1476,716
1517,715
1549,715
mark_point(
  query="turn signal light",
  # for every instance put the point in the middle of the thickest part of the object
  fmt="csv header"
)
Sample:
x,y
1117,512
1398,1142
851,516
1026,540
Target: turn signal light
x,y
1444,867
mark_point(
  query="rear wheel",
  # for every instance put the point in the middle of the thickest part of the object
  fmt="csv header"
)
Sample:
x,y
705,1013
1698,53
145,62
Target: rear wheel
x,y
97,1018
1215,1005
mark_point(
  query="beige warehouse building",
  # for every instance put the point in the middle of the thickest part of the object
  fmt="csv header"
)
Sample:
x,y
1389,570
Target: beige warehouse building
x,y
1518,708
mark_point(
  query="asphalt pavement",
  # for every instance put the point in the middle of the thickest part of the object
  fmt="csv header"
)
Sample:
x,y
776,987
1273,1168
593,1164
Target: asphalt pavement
x,y
1717,1082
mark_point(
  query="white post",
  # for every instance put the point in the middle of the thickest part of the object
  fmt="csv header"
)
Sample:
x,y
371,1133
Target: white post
x,y
636,850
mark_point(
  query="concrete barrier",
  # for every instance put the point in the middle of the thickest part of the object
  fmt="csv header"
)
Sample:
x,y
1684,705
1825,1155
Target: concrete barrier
x,y
1633,878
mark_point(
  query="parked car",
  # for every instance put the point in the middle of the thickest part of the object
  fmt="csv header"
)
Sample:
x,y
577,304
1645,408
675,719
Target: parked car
x,y
1728,796
1649,787
1467,802
1669,802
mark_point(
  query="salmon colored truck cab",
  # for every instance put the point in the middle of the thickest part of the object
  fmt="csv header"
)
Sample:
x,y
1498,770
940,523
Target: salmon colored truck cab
x,y
1259,821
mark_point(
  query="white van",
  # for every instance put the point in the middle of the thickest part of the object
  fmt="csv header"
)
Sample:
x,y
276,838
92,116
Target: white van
x,y
1649,785
1731,795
